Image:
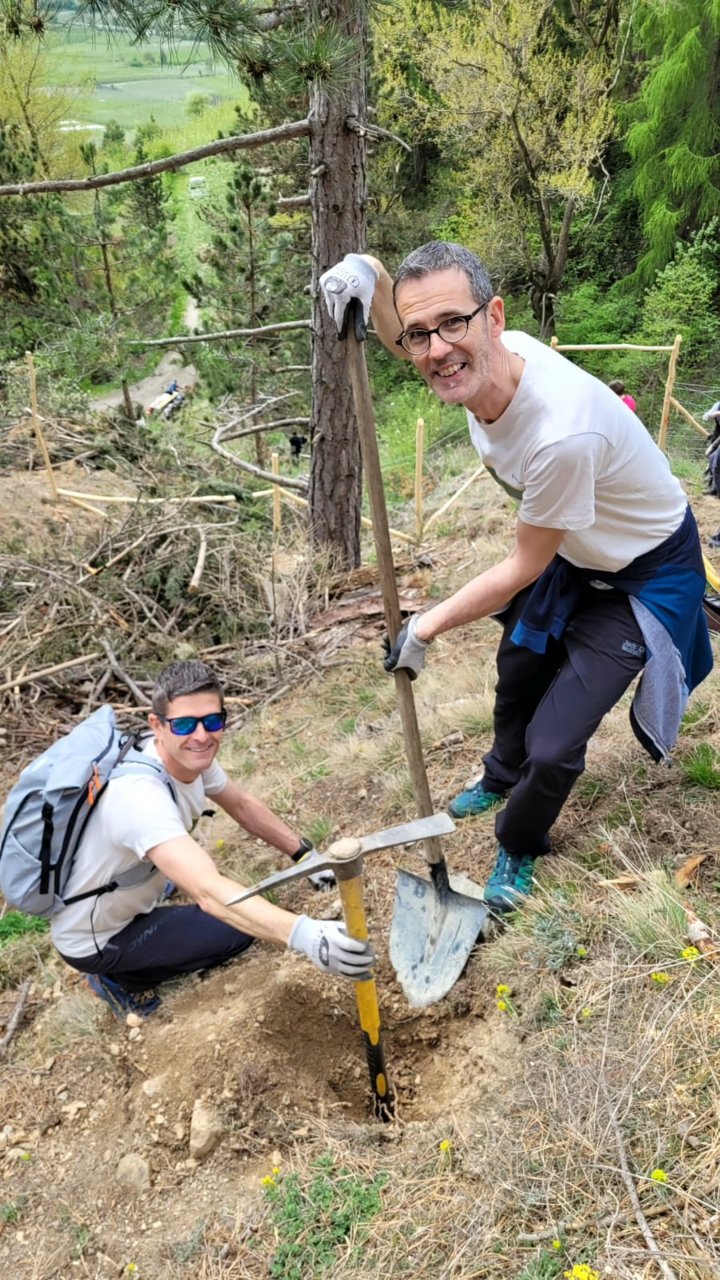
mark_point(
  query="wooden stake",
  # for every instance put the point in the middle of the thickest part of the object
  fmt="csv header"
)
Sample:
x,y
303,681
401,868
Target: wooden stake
x,y
277,509
36,424
419,459
669,384
680,408
289,496
451,501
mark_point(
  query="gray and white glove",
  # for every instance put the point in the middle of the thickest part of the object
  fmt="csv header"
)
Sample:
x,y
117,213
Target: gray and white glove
x,y
331,948
351,278
318,879
408,651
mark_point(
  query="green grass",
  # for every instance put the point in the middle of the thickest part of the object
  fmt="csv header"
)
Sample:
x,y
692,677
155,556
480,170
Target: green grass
x,y
316,1217
127,82
15,924
701,768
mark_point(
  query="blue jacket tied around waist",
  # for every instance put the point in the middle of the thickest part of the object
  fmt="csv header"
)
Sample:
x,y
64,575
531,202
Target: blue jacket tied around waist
x,y
665,587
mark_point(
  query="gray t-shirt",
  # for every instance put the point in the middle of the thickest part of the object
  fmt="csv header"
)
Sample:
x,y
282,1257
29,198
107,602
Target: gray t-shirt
x,y
576,458
135,814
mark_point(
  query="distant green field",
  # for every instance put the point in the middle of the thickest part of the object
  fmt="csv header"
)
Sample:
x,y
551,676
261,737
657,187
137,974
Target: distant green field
x,y
130,82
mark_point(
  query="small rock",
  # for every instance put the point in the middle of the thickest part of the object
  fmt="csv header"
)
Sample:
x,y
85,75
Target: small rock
x,y
133,1171
115,1050
133,1020
206,1130
153,1086
134,1033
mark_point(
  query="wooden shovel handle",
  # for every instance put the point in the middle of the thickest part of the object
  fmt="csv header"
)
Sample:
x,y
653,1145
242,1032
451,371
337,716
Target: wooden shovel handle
x,y
386,568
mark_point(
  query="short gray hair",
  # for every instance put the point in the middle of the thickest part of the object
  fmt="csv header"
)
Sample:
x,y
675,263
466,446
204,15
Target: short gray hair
x,y
182,678
441,255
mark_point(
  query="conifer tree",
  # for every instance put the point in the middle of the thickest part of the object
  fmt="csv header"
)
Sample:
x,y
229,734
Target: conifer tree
x,y
675,138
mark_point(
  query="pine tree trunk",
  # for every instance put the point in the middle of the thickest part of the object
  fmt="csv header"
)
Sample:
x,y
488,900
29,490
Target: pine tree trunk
x,y
338,167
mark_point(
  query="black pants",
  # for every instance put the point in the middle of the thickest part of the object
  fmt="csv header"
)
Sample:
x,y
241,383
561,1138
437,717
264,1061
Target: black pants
x,y
547,707
162,944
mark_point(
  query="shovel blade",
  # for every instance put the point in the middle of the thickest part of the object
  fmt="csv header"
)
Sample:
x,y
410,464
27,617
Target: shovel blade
x,y
433,932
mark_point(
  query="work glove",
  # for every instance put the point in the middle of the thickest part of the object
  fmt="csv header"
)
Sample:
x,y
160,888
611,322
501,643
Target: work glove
x,y
408,651
351,278
308,854
331,948
318,879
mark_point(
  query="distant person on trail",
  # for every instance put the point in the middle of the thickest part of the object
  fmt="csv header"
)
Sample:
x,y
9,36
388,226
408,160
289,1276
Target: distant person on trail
x,y
618,386
605,579
296,443
124,940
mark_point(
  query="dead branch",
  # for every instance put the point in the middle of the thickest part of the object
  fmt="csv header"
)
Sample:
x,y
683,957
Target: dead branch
x,y
16,1015
285,482
48,671
199,565
278,424
127,680
281,327
281,133
653,1247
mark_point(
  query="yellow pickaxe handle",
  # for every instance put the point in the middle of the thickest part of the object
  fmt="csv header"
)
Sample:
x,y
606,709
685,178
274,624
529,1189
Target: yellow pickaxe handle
x,y
351,897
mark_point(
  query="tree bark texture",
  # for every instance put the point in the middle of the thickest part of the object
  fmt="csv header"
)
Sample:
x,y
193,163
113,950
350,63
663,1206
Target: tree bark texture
x,y
338,167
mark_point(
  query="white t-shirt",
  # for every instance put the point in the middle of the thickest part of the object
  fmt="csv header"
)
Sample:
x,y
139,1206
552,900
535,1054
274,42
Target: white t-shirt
x,y
575,457
135,814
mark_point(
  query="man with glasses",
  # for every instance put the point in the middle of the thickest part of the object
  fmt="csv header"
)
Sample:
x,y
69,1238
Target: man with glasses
x,y
124,940
605,578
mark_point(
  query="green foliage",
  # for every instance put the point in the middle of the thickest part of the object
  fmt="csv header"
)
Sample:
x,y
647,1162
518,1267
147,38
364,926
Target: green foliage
x,y
15,924
316,1218
701,768
590,314
673,140
684,298
196,104
114,135
549,1265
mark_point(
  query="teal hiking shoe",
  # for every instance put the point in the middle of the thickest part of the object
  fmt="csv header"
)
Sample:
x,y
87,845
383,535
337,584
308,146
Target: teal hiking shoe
x,y
122,1002
511,880
474,800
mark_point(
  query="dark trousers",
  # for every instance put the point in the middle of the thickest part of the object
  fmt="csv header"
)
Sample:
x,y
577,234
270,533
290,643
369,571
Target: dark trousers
x,y
547,707
162,944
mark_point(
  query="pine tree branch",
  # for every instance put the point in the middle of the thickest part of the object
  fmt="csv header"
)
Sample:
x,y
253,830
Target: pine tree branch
x,y
282,133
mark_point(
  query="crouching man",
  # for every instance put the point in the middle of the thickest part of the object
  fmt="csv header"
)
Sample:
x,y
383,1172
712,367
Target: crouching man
x,y
124,940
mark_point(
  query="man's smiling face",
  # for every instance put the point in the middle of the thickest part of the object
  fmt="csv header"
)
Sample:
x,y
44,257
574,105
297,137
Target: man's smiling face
x,y
456,372
187,756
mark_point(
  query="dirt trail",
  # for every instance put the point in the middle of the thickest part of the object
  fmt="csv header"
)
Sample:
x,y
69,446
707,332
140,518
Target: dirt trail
x,y
144,392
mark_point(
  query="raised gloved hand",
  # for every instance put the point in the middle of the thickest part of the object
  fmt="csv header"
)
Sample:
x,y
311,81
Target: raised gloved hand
x,y
351,278
408,651
331,948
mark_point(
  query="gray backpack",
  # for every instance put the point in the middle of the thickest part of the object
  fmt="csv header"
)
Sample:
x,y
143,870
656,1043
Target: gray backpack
x,y
49,807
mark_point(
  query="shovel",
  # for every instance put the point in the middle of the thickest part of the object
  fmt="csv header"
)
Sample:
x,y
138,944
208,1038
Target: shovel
x,y
345,859
434,927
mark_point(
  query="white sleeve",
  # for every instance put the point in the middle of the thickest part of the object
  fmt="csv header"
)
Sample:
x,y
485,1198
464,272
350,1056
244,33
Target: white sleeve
x,y
560,483
140,813
214,779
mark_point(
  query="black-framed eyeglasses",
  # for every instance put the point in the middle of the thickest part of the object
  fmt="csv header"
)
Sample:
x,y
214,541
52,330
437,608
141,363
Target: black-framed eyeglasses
x,y
417,341
183,726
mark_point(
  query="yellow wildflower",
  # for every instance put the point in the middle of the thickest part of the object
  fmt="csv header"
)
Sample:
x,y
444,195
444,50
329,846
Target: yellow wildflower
x,y
661,977
581,951
219,844
275,1170
446,1145
268,1181
502,989
131,1269
581,1271
690,953
502,1006
557,1244
586,1012
659,1175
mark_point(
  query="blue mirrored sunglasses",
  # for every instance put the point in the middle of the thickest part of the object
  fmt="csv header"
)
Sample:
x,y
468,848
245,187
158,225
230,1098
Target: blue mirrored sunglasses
x,y
183,726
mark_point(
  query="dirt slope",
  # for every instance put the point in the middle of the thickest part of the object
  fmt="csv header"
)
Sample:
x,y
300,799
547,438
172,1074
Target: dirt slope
x,y
274,1050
